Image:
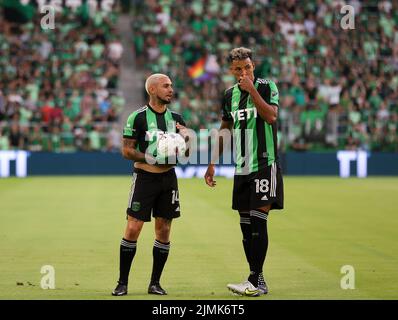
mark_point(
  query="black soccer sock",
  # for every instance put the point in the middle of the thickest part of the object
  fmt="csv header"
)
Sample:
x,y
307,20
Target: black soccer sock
x,y
160,254
127,253
246,233
261,280
259,244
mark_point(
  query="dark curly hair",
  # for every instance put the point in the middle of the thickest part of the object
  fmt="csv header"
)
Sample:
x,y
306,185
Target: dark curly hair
x,y
239,54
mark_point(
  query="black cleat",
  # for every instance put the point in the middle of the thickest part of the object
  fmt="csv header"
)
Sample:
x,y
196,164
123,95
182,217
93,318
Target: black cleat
x,y
120,290
155,288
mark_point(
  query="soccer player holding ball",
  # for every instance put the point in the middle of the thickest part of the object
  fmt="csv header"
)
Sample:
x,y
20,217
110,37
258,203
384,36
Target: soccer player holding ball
x,y
250,110
154,186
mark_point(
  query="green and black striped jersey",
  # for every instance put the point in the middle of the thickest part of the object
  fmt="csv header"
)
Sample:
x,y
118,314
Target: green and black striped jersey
x,y
145,124
255,140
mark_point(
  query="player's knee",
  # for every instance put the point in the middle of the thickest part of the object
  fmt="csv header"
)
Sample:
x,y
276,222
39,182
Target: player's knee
x,y
131,234
133,230
163,232
265,209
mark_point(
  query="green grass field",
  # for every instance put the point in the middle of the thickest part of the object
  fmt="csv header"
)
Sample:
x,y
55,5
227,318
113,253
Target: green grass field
x,y
75,224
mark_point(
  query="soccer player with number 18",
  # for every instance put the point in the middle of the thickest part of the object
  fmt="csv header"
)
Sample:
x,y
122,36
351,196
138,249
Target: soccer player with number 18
x,y
250,110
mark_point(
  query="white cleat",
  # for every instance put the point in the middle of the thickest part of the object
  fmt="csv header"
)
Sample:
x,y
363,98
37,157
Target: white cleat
x,y
245,288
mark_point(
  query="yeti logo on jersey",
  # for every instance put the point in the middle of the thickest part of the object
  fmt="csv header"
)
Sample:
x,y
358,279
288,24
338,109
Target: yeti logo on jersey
x,y
240,114
151,135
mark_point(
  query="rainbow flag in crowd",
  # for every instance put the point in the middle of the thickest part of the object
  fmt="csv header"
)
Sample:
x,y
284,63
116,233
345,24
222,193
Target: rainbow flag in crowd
x,y
197,70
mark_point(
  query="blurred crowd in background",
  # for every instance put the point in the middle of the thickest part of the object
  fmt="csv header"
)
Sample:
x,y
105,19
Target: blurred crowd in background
x,y
338,87
58,87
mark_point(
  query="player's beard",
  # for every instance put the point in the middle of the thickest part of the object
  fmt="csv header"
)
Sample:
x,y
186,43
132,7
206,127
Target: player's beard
x,y
163,101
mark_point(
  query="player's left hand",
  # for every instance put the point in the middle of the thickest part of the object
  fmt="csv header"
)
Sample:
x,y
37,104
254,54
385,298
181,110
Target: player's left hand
x,y
182,130
180,126
246,84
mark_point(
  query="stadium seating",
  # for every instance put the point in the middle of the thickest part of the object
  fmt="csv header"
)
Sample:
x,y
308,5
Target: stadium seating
x,y
338,87
59,88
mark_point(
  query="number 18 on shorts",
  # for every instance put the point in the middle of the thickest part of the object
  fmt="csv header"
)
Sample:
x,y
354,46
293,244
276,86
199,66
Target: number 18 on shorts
x,y
258,189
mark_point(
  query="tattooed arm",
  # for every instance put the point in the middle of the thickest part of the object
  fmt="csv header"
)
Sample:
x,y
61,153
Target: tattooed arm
x,y
130,152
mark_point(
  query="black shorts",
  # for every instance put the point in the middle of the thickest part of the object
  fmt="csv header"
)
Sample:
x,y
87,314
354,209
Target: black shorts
x,y
154,193
258,189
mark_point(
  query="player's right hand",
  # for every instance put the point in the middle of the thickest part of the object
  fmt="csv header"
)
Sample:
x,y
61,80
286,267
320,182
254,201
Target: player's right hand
x,y
209,176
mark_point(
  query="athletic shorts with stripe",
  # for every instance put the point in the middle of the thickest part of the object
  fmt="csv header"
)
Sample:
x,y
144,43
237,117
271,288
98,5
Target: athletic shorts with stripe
x,y
154,193
258,189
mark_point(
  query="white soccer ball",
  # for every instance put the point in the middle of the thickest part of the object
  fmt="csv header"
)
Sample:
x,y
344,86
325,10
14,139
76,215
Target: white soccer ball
x,y
171,144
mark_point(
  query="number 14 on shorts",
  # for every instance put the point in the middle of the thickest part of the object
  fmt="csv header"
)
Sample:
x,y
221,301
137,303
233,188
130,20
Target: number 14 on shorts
x,y
262,186
175,196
